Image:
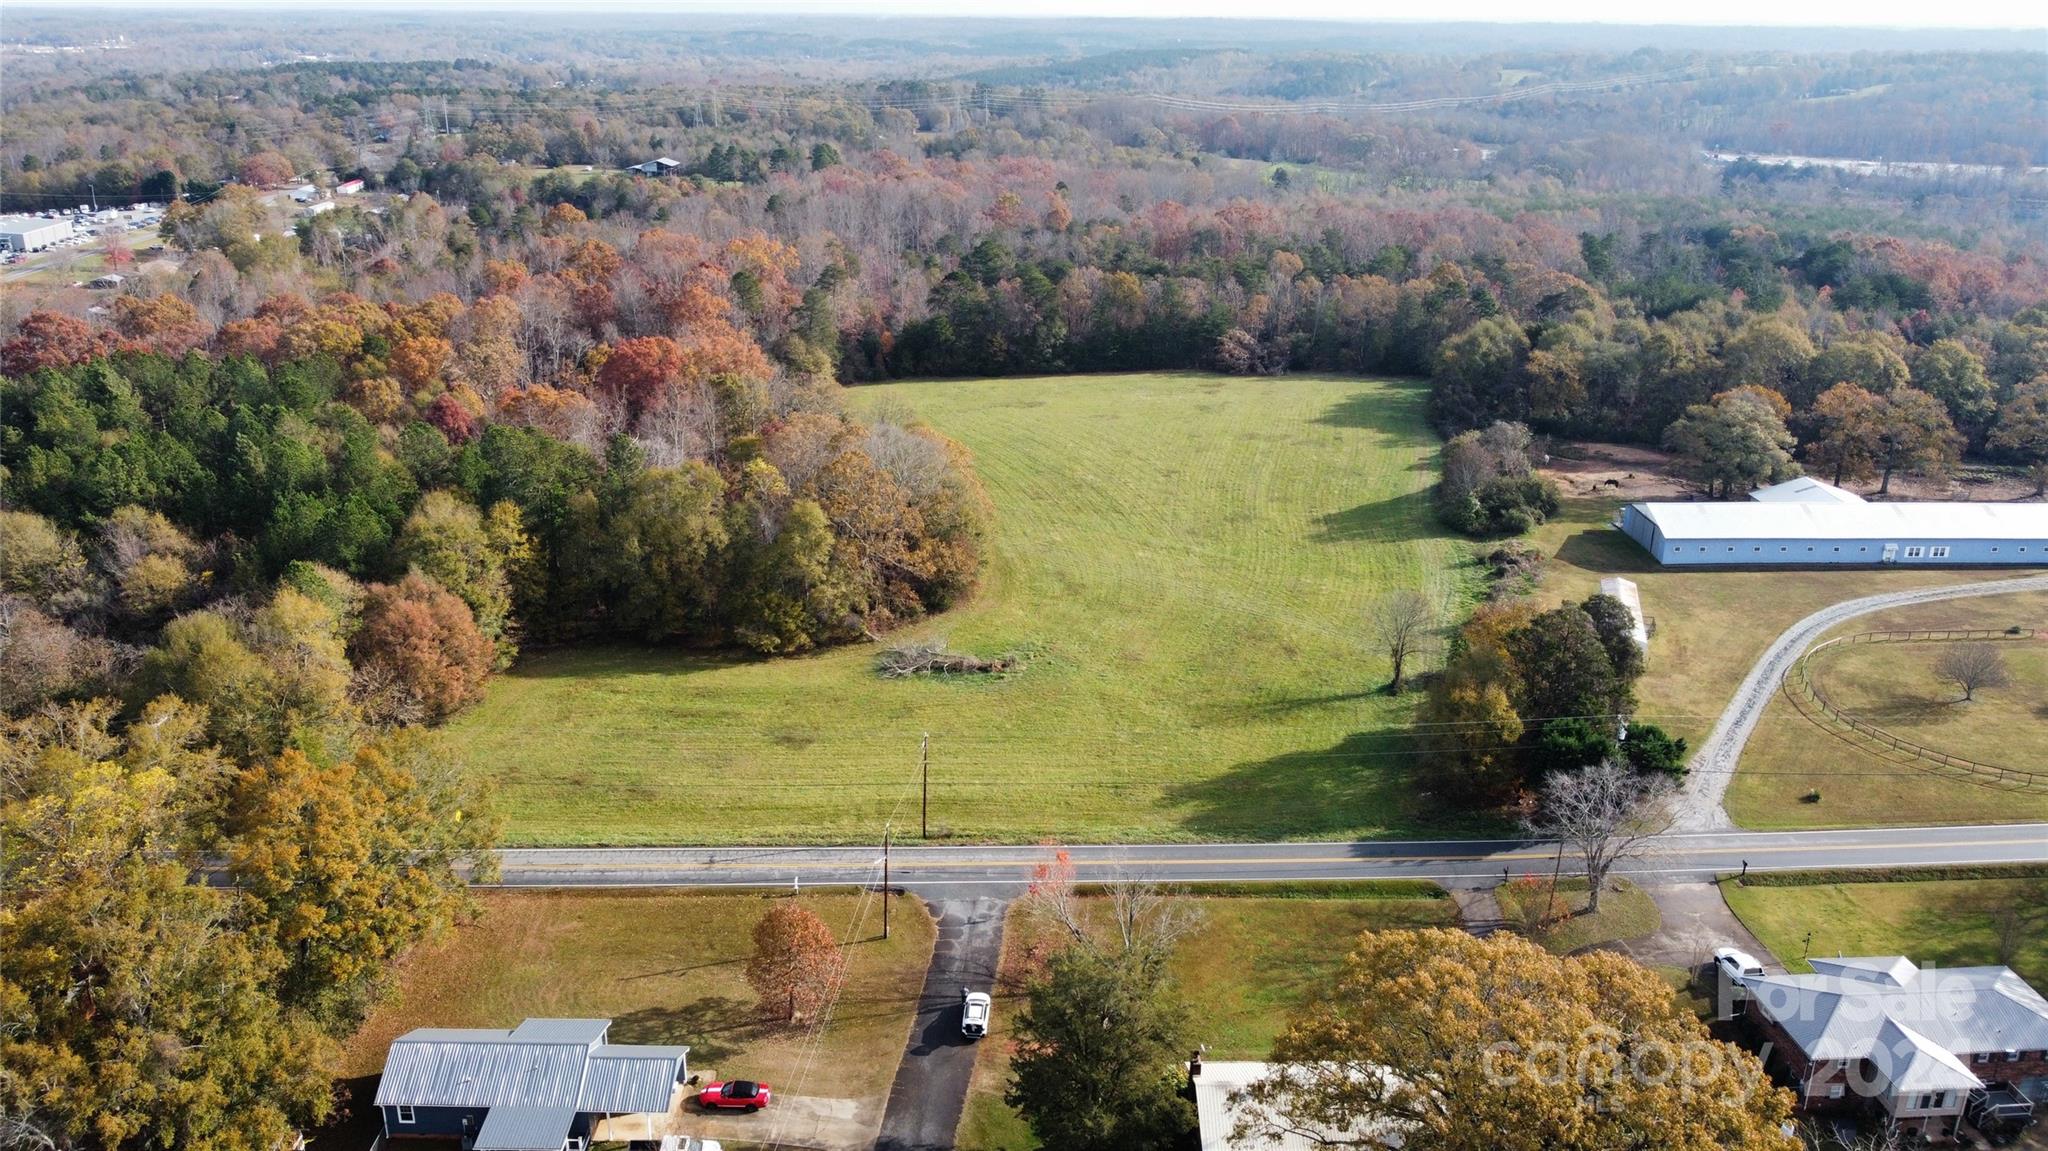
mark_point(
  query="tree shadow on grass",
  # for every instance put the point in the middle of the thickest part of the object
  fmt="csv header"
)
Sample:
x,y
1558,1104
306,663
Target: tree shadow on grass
x,y
1367,781
713,1027
1395,412
1898,704
1951,930
1396,519
621,659
1605,551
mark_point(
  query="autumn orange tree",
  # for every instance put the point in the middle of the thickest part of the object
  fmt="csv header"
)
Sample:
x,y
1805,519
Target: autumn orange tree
x,y
797,967
422,641
1465,1044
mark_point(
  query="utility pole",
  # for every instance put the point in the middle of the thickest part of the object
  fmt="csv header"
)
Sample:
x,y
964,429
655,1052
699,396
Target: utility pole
x,y
924,812
885,881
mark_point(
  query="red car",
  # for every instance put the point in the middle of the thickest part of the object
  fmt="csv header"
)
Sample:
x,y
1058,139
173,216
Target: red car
x,y
737,1095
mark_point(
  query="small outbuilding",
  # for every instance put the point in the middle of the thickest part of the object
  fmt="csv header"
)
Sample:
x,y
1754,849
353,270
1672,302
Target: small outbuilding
x,y
1631,598
660,165
1806,523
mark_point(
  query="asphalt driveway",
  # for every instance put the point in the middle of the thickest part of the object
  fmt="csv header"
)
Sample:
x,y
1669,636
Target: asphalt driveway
x,y
931,1083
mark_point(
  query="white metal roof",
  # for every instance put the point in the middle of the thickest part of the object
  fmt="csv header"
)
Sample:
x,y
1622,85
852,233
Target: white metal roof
x,y
1805,490
525,1129
1910,1061
546,1064
631,1080
1902,522
481,1070
1631,598
1841,1011
1217,1115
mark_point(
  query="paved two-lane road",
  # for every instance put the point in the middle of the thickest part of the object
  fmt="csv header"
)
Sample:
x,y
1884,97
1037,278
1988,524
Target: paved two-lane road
x,y
957,871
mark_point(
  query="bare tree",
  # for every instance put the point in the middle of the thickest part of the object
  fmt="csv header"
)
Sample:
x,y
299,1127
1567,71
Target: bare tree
x,y
1605,813
2017,918
1971,666
1142,916
1402,622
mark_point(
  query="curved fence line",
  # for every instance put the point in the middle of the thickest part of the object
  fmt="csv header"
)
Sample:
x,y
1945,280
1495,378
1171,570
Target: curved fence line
x,y
1992,774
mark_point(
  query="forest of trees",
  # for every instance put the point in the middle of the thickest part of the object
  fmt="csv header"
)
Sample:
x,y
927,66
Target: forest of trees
x,y
287,499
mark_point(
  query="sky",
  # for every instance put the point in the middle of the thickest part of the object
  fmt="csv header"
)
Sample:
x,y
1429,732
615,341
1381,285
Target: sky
x,y
2027,14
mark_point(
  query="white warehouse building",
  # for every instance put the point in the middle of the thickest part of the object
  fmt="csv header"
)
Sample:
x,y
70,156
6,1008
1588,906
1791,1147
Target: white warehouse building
x,y
1806,522
32,233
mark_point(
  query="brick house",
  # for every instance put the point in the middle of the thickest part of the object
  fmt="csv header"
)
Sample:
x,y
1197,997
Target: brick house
x,y
1913,1041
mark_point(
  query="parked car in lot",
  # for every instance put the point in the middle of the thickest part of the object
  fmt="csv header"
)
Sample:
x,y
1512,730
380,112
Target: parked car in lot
x,y
974,1012
734,1095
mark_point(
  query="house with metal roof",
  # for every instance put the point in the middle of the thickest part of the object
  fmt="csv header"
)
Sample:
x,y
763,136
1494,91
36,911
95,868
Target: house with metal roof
x,y
1805,523
541,1086
1228,1120
1916,1041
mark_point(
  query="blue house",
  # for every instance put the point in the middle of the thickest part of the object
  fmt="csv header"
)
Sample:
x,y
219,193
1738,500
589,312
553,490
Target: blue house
x,y
545,1085
1805,522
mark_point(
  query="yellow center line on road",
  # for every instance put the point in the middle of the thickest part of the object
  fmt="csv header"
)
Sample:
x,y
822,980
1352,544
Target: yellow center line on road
x,y
787,866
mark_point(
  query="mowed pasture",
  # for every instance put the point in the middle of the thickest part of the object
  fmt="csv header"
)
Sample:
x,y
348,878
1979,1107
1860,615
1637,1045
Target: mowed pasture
x,y
1185,563
1710,625
1893,685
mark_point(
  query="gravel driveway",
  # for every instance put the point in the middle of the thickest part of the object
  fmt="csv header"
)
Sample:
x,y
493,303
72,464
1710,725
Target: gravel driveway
x,y
1697,806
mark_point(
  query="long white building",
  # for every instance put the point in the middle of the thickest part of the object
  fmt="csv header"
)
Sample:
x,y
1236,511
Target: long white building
x,y
1806,522
32,233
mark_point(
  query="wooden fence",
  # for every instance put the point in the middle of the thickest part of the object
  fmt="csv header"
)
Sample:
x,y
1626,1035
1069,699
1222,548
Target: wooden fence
x,y
1800,684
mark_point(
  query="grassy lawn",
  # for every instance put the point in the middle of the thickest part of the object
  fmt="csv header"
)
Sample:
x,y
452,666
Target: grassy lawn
x,y
1250,963
1186,563
1948,922
1891,684
666,968
1710,625
1626,912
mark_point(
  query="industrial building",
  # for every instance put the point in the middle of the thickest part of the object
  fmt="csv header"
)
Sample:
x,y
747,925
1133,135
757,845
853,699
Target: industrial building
x,y
32,233
1805,522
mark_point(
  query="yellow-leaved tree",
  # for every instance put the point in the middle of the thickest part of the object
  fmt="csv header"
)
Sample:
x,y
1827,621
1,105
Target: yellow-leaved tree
x,y
1463,1044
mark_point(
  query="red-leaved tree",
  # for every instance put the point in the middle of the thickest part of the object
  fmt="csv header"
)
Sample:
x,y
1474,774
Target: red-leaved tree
x,y
640,371
797,966
420,642
50,340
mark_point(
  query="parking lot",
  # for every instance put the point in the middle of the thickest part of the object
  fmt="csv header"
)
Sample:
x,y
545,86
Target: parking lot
x,y
88,228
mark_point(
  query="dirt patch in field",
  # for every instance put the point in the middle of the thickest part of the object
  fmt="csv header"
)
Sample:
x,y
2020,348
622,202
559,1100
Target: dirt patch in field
x,y
1615,471
1628,473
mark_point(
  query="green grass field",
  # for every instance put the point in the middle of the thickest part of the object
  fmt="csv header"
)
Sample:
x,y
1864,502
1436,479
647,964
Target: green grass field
x,y
1186,563
1626,912
1947,922
1710,625
1892,685
1250,963
665,967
